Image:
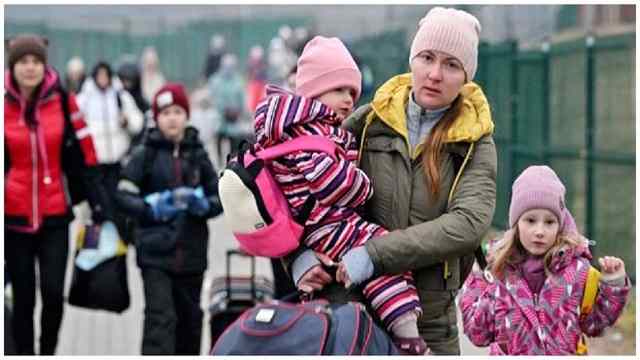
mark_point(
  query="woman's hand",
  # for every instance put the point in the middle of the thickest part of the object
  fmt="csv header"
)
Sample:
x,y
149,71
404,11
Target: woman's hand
x,y
355,267
316,278
342,276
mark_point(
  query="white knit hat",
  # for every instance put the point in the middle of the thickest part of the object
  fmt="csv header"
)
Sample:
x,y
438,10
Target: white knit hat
x,y
455,32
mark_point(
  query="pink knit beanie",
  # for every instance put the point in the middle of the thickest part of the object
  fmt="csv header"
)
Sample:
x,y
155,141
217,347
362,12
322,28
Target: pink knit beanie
x,y
326,64
455,32
538,187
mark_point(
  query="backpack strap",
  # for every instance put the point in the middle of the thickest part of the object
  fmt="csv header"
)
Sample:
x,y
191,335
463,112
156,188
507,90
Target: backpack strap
x,y
588,299
590,291
302,143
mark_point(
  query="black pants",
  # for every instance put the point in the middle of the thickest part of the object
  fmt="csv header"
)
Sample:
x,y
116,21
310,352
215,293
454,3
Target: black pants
x,y
50,246
172,314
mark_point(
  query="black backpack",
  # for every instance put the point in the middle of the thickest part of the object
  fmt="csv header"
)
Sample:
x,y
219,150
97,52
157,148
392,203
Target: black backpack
x,y
312,328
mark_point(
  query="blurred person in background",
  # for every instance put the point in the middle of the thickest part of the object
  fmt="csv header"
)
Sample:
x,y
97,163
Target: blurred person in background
x,y
430,127
227,90
214,56
285,32
76,73
256,77
152,77
204,116
45,140
301,37
280,61
291,78
113,119
129,75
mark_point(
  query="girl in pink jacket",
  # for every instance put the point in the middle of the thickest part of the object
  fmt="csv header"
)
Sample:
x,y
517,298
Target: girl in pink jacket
x,y
528,300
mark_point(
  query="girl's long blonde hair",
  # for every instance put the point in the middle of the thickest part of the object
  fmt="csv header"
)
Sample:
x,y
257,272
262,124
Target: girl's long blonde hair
x,y
509,250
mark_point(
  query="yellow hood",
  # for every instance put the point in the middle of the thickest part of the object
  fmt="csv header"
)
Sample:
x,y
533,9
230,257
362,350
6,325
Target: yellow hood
x,y
474,121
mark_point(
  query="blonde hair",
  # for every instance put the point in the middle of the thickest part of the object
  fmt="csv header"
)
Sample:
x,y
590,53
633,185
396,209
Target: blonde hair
x,y
432,151
509,250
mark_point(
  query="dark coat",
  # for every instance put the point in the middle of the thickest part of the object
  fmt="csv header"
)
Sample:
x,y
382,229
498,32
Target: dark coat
x,y
180,245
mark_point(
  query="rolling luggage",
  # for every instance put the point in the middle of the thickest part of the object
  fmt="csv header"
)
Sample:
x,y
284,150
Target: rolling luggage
x,y
230,296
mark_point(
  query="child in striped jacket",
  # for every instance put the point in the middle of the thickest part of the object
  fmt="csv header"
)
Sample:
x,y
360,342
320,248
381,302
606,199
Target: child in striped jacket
x,y
327,87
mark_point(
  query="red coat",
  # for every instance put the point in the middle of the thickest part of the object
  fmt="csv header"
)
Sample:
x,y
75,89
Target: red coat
x,y
35,190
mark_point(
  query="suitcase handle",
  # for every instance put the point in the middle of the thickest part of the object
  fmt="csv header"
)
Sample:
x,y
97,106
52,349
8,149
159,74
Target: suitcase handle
x,y
230,254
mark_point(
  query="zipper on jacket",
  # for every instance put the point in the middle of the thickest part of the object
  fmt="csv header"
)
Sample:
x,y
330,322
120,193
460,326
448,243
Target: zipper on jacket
x,y
177,169
34,177
176,150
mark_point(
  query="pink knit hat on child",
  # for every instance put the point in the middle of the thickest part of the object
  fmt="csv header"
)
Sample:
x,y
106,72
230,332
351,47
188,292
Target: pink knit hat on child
x,y
326,64
538,187
452,31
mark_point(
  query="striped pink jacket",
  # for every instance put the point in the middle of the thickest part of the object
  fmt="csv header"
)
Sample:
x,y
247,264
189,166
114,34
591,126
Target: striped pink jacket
x,y
508,318
338,186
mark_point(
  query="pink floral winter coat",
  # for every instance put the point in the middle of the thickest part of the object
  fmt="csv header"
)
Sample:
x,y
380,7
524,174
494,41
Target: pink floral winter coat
x,y
508,318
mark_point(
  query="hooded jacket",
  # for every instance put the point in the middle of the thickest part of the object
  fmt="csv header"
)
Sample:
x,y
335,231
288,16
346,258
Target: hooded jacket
x,y
102,112
428,234
507,316
429,230
338,187
35,184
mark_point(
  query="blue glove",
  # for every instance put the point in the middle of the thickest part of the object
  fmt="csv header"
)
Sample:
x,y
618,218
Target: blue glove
x,y
161,205
358,265
198,203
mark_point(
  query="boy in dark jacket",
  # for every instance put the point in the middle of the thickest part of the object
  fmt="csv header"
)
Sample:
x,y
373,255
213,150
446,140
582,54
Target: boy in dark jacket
x,y
171,187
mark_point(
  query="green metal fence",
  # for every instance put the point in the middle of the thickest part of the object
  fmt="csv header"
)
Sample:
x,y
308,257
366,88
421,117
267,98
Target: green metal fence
x,y
182,51
386,54
571,106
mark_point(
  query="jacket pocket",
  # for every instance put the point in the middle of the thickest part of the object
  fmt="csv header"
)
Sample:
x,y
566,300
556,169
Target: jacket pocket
x,y
156,240
378,163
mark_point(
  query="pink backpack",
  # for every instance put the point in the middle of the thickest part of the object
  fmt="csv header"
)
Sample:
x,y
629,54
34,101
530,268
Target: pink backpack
x,y
255,209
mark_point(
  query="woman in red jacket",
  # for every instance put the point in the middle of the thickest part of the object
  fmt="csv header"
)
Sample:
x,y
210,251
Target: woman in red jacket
x,y
41,144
